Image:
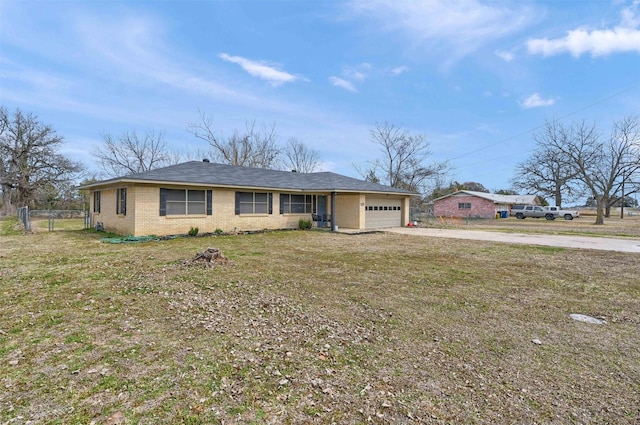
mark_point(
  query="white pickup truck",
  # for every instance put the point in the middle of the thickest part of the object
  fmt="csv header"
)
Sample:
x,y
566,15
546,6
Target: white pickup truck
x,y
566,214
523,211
550,213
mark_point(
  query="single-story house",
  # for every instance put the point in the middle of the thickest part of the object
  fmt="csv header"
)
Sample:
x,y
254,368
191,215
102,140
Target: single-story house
x,y
211,197
468,203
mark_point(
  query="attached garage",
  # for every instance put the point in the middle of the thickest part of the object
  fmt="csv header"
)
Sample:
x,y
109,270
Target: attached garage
x,y
383,212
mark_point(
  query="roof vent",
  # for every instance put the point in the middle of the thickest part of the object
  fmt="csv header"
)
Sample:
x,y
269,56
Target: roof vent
x,y
294,171
205,160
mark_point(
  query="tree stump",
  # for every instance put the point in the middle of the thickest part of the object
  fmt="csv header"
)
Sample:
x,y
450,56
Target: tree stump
x,y
210,257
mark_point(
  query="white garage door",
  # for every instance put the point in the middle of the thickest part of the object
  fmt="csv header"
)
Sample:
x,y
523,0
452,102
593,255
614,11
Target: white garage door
x,y
381,212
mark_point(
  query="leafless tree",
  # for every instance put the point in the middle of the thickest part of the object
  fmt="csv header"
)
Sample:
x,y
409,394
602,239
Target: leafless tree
x,y
548,172
132,153
601,165
403,163
299,157
626,134
251,148
29,159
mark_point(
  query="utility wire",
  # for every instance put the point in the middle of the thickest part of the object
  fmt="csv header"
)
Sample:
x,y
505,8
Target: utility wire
x,y
597,102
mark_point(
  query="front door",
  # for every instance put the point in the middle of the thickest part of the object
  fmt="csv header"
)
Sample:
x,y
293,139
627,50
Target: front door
x,y
322,210
322,205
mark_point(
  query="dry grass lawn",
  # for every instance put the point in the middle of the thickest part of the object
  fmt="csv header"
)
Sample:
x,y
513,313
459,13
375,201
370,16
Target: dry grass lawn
x,y
315,327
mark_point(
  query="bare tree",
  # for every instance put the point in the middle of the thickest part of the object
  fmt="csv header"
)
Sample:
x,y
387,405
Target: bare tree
x,y
627,133
131,153
29,159
601,165
251,148
548,171
299,157
403,162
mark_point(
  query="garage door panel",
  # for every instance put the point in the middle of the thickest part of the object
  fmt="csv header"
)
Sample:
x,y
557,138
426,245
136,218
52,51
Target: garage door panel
x,y
381,212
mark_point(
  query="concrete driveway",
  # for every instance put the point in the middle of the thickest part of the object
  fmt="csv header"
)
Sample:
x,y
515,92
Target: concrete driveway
x,y
583,242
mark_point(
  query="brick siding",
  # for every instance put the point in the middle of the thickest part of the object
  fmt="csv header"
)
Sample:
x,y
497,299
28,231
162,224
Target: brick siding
x,y
143,213
448,207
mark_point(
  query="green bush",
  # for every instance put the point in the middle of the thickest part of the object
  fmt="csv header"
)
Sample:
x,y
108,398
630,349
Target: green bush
x,y
193,231
304,224
218,231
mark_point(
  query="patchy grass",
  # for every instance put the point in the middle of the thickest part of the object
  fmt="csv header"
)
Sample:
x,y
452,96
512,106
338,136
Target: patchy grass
x,y
42,224
315,327
10,226
583,226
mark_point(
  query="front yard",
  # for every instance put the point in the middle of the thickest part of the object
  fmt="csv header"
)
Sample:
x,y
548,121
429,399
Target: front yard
x,y
315,327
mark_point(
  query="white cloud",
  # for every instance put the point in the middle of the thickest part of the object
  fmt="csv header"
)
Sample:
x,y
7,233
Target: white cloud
x,y
261,70
351,75
343,84
399,70
449,28
536,101
358,72
622,38
505,56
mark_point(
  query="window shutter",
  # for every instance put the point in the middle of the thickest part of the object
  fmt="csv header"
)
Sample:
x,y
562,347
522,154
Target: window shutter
x,y
282,203
237,203
270,203
117,201
209,202
163,201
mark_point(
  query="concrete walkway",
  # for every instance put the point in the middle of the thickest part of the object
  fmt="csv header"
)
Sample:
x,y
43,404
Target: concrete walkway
x,y
583,242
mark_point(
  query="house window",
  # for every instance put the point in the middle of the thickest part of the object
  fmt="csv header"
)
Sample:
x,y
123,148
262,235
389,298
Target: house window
x,y
296,204
185,202
182,202
254,203
96,201
121,201
464,205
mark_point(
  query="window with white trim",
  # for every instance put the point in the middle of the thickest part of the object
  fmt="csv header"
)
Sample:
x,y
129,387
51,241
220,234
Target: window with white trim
x,y
291,203
253,203
185,202
464,205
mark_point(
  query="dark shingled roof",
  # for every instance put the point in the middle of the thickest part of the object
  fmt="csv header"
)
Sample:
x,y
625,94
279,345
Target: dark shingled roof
x,y
211,174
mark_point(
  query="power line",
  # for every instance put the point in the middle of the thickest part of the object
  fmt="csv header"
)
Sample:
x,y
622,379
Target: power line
x,y
597,102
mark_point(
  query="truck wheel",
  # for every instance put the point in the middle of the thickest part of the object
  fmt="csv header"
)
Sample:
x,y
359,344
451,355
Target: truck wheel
x,y
568,217
550,217
520,216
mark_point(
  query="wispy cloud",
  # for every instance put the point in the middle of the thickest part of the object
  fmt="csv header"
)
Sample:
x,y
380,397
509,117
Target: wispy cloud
x,y
399,70
624,37
262,70
451,29
343,84
358,72
351,75
505,55
536,101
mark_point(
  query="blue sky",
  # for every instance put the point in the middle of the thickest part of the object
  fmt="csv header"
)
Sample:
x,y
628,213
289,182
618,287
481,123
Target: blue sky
x,y
476,77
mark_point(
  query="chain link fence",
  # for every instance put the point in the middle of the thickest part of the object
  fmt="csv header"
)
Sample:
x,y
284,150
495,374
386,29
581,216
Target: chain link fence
x,y
23,215
79,217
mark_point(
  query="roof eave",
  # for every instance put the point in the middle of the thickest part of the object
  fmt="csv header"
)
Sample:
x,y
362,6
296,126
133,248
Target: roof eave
x,y
124,180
